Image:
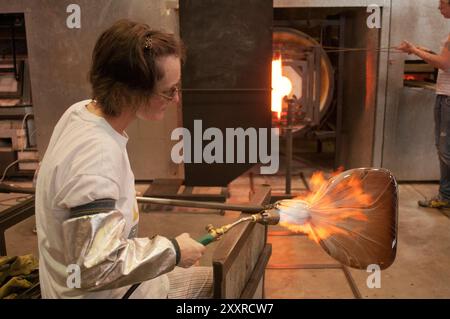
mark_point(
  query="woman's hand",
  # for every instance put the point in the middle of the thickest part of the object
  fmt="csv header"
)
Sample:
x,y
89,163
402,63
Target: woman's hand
x,y
406,47
190,250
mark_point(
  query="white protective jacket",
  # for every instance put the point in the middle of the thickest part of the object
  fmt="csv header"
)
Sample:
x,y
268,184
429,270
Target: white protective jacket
x,y
86,162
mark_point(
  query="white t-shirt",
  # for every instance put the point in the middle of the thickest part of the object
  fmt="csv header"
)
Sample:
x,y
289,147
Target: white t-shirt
x,y
86,160
443,80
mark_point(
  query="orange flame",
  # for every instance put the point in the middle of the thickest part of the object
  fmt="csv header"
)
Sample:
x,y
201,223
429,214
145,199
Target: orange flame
x,y
281,86
333,207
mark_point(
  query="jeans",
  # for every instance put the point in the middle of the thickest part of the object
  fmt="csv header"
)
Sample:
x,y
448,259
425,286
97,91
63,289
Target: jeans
x,y
442,140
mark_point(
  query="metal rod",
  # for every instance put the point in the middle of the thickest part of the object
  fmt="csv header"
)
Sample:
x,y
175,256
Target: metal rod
x,y
222,90
198,204
303,266
317,85
13,41
340,48
363,51
5,188
340,94
351,283
240,221
289,148
252,184
305,182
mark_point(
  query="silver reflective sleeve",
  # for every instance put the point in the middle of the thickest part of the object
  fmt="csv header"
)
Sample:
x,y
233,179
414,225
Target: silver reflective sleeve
x,y
107,259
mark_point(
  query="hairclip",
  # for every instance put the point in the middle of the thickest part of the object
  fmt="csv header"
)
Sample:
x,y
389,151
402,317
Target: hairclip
x,y
148,43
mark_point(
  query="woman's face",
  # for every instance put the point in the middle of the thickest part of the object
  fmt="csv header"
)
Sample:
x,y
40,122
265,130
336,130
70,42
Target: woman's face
x,y
444,7
166,89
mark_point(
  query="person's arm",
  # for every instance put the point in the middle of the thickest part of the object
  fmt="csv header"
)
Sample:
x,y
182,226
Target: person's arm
x,y
439,61
108,260
95,240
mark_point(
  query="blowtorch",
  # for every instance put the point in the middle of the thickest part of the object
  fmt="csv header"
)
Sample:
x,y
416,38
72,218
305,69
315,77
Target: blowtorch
x,y
269,217
266,215
353,216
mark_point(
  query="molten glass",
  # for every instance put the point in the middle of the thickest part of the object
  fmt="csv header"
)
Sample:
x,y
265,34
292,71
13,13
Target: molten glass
x,y
353,216
281,86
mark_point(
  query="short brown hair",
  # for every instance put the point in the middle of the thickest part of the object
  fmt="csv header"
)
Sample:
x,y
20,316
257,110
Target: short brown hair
x,y
123,71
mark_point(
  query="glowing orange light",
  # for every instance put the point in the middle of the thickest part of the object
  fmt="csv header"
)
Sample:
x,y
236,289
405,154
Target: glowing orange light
x,y
332,208
281,86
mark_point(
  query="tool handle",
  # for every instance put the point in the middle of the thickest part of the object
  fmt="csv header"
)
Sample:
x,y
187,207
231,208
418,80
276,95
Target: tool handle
x,y
206,240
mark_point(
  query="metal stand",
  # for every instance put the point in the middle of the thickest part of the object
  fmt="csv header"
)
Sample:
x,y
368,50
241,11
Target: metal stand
x,y
309,106
292,104
289,147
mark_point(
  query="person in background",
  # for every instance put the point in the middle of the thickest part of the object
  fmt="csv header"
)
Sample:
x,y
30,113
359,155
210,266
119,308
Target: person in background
x,y
441,111
86,209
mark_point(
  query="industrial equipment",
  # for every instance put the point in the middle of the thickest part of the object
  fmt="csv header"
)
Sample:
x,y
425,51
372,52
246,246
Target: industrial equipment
x,y
352,216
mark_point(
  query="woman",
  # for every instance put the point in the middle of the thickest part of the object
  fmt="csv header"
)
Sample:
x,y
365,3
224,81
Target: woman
x,y
86,210
441,110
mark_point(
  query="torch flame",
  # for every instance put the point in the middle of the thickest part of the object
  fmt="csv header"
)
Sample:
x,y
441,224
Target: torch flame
x,y
333,208
281,86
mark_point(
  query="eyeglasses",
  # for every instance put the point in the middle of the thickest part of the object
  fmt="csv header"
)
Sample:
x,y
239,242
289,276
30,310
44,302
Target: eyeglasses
x,y
169,95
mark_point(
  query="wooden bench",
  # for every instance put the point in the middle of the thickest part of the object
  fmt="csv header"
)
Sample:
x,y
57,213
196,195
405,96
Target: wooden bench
x,y
240,258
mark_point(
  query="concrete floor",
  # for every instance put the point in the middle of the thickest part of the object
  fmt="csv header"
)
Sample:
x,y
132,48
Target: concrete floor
x,y
421,269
